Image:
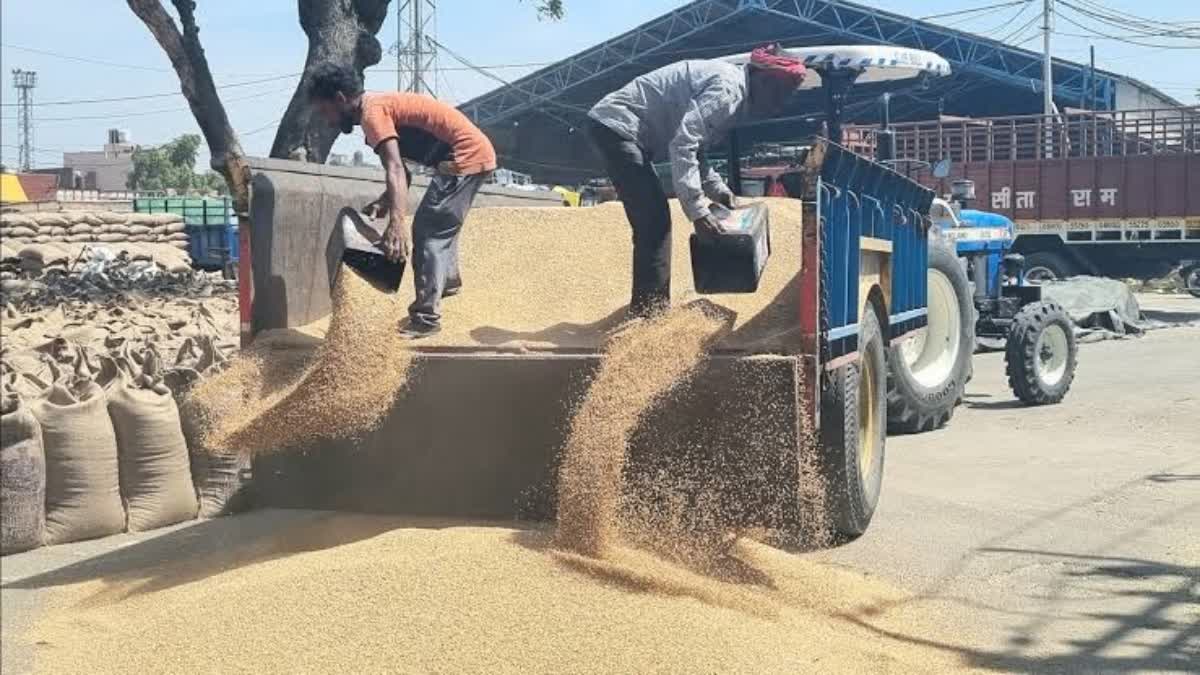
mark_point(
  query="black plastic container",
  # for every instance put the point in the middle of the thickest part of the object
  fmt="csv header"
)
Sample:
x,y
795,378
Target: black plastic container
x,y
732,262
356,242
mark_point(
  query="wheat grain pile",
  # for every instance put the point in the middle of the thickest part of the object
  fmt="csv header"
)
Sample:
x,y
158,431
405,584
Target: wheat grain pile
x,y
345,391
379,594
559,278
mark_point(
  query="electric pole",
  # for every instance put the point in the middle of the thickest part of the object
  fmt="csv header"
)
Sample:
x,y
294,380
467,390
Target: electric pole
x,y
416,53
1047,74
25,81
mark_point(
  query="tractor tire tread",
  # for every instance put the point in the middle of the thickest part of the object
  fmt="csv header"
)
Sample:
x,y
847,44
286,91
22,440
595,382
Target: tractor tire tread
x,y
1020,353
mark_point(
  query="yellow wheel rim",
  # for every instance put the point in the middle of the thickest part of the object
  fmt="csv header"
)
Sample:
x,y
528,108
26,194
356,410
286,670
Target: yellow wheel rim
x,y
868,416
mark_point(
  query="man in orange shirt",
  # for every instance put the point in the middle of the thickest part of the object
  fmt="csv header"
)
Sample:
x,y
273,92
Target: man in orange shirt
x,y
402,126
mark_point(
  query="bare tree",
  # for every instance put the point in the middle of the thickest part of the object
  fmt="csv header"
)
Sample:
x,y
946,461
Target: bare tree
x,y
187,57
340,32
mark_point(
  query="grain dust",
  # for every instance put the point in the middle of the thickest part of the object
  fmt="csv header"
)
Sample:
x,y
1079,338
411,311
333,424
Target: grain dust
x,y
641,364
351,383
349,593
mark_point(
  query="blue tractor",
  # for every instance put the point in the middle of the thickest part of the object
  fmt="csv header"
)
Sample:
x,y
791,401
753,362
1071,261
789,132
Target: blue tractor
x,y
1038,335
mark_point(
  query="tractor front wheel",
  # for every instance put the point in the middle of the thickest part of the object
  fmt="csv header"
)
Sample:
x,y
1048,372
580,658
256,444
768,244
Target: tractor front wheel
x,y
1040,355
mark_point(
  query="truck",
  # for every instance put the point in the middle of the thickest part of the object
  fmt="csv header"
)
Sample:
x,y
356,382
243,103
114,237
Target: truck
x,y
1106,193
788,413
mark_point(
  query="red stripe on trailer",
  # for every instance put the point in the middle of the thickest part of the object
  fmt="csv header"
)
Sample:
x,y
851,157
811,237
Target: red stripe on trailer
x,y
245,282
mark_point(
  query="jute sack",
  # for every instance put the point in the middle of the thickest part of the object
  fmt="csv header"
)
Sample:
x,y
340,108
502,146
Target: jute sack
x,y
222,478
48,219
138,229
45,254
8,220
22,473
113,218
156,479
80,228
20,232
83,490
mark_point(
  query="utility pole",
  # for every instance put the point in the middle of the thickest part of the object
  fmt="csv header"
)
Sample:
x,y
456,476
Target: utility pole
x,y
416,54
25,81
1047,74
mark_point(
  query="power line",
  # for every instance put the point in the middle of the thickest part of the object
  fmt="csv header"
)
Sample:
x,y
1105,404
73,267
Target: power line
x,y
110,64
144,97
144,113
542,99
973,10
80,59
1133,39
497,66
1137,29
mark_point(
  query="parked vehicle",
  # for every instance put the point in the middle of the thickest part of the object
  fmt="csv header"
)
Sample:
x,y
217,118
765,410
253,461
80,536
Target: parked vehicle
x,y
1040,348
1105,193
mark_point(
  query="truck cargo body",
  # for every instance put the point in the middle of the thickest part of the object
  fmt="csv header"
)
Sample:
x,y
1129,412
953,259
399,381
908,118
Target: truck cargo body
x,y
1114,193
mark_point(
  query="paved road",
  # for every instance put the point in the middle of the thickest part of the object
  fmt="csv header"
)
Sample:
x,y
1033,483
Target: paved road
x,y
1072,532
1070,535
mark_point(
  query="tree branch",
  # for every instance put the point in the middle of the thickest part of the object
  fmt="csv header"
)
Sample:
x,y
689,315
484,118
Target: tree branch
x,y
196,82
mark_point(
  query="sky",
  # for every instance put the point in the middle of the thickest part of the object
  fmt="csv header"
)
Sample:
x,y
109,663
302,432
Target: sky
x,y
87,49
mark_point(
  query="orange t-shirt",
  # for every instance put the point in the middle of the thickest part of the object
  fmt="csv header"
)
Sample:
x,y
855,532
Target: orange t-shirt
x,y
428,130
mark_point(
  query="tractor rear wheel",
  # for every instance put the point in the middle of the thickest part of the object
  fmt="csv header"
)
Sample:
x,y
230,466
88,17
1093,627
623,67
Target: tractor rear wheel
x,y
853,435
1040,355
928,372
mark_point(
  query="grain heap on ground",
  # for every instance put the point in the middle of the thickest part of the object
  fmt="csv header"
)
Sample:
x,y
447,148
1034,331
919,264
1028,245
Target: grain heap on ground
x,y
378,594
347,389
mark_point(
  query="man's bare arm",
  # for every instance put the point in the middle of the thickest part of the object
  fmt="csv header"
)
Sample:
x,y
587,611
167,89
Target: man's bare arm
x,y
396,240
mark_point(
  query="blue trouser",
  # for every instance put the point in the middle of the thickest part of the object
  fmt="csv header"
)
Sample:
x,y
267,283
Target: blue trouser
x,y
435,229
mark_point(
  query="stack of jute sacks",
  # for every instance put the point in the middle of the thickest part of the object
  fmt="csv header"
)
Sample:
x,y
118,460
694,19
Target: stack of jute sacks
x,y
37,241
94,445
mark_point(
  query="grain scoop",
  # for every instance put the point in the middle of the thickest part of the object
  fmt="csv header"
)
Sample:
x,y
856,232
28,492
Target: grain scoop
x,y
355,242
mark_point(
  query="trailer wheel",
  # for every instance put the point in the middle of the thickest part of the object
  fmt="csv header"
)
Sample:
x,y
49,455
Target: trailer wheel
x,y
1191,280
853,435
928,372
1044,266
1040,356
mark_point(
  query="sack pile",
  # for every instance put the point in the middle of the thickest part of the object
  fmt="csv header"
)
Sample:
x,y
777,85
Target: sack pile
x,y
36,241
94,445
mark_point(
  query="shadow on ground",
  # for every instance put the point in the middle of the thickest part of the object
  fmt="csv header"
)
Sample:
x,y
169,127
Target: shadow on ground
x,y
211,547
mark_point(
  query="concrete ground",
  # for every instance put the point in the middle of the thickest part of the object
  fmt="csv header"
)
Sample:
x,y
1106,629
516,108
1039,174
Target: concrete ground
x,y
1071,533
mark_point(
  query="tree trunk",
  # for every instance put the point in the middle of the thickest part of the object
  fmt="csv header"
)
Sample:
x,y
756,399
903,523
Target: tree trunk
x,y
340,32
195,79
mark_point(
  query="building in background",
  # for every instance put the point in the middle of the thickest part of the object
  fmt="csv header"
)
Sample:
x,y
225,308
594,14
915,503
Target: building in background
x,y
105,170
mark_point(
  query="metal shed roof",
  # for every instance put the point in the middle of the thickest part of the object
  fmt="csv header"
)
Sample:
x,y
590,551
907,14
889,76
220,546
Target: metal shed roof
x,y
535,120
